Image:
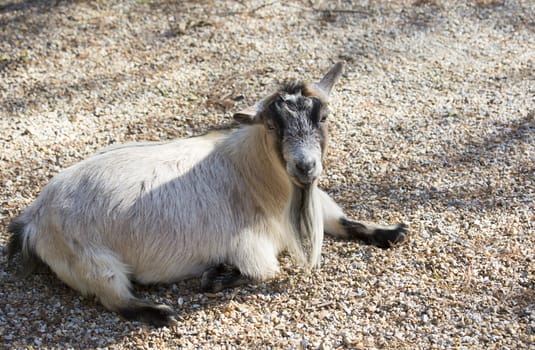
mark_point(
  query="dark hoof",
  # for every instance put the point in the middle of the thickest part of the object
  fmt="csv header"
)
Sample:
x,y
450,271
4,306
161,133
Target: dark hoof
x,y
220,277
158,315
386,238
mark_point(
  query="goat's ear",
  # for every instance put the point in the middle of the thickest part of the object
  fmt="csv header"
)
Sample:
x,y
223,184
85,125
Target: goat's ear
x,y
327,82
249,115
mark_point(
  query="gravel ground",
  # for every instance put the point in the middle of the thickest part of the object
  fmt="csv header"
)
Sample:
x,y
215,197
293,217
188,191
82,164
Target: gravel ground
x,y
432,124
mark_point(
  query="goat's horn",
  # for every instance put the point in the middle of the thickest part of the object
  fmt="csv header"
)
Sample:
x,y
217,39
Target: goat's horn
x,y
327,82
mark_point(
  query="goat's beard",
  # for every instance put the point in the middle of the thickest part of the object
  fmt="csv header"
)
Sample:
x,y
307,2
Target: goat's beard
x,y
306,225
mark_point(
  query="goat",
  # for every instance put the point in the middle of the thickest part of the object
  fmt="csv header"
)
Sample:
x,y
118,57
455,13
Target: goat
x,y
221,207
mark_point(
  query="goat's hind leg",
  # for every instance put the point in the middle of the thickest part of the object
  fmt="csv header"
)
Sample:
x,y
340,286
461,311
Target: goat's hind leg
x,y
113,288
337,224
101,273
140,310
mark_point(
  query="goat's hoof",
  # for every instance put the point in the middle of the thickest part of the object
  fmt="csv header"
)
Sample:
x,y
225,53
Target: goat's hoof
x,y
389,237
220,277
158,315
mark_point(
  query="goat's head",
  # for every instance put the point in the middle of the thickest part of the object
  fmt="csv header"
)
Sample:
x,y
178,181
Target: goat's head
x,y
294,119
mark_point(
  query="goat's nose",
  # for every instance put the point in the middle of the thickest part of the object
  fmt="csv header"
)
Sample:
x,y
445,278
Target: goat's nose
x,y
305,166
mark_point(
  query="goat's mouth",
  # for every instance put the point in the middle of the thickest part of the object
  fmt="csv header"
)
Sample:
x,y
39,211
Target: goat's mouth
x,y
304,179
304,171
303,182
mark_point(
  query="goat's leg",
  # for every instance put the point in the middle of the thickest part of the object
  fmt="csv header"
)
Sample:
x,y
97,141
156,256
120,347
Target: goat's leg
x,y
99,272
108,280
222,276
337,224
253,260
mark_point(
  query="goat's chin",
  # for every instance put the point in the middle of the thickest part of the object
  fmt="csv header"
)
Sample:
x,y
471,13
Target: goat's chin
x,y
304,184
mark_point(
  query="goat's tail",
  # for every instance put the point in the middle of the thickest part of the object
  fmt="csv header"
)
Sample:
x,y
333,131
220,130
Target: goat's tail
x,y
19,243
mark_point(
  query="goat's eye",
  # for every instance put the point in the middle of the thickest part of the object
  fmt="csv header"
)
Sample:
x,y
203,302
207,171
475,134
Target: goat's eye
x,y
323,118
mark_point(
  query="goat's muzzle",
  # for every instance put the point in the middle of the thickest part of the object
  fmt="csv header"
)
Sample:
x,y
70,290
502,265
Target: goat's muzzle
x,y
304,172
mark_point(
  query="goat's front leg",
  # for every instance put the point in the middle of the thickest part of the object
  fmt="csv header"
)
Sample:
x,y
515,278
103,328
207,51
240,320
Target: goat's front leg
x,y
222,276
254,260
336,224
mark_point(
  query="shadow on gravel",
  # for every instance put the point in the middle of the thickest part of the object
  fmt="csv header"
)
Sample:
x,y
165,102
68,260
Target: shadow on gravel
x,y
503,136
13,6
424,16
24,14
405,193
